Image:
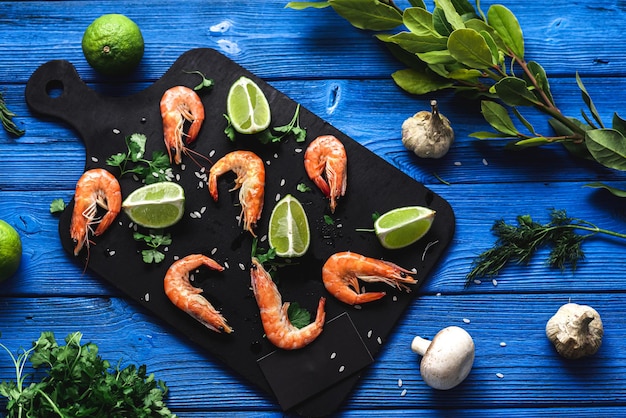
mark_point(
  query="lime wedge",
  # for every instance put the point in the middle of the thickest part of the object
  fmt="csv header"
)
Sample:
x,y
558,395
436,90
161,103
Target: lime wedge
x,y
289,233
156,205
401,227
247,107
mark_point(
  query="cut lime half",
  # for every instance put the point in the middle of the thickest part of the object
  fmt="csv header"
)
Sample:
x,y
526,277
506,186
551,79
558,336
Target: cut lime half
x,y
156,205
247,107
403,226
289,233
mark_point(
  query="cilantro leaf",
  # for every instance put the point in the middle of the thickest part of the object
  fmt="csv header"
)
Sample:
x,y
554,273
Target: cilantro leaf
x,y
57,205
299,317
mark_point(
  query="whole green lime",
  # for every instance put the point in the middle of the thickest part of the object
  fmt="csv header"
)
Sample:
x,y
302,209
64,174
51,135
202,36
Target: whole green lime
x,y
10,250
113,45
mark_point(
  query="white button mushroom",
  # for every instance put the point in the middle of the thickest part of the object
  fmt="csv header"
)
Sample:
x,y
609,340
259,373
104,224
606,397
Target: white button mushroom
x,y
447,359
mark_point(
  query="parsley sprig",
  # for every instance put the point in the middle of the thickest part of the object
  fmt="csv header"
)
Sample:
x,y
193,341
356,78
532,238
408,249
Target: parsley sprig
x,y
276,133
520,242
151,171
154,241
79,383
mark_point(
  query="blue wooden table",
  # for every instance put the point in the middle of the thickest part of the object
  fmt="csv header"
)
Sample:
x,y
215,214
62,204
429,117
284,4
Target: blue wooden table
x,y
342,75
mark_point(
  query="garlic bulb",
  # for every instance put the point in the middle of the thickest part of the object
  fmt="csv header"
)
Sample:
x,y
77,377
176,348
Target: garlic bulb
x,y
575,330
428,134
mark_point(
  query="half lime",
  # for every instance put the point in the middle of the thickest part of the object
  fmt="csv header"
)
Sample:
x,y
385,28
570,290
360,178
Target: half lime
x,y
156,205
403,226
247,107
289,232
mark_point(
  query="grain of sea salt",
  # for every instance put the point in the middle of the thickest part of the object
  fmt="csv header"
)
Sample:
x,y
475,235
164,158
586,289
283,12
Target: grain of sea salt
x,y
116,131
146,297
494,282
277,197
466,320
226,264
94,159
242,266
298,150
369,334
333,355
282,182
213,251
403,393
342,368
502,344
485,162
212,153
457,163
499,375
399,383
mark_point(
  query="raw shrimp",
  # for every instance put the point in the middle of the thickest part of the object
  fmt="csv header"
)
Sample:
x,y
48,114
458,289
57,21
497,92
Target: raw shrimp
x,y
180,104
278,328
250,180
95,188
187,297
326,155
341,272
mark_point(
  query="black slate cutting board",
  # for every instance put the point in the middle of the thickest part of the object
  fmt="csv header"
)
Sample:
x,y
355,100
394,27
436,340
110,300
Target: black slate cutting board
x,y
352,336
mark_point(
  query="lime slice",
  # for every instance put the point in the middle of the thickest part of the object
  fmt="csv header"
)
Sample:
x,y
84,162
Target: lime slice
x,y
247,107
289,233
401,227
156,205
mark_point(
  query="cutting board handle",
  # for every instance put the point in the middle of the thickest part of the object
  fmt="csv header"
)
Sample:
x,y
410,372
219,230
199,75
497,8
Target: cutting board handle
x,y
54,88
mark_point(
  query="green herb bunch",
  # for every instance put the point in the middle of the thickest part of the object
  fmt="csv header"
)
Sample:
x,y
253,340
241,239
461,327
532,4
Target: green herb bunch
x,y
133,161
518,243
79,383
457,46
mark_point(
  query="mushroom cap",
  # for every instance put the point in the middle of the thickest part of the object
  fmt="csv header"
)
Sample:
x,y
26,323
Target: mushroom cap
x,y
448,359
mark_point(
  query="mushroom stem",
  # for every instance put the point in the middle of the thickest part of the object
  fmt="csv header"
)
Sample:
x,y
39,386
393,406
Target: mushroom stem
x,y
420,345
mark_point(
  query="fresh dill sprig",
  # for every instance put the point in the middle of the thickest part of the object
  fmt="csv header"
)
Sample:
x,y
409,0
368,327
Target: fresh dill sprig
x,y
6,117
519,243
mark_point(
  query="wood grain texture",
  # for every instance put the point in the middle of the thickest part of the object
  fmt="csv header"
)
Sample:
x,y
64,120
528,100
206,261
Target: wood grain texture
x,y
342,75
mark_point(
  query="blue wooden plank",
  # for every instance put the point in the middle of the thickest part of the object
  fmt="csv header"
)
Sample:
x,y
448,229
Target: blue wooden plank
x,y
342,75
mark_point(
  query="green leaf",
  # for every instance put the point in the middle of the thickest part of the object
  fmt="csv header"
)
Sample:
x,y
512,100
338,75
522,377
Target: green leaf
x,y
465,74
480,26
490,135
303,188
615,191
464,8
452,16
437,57
523,120
514,92
441,24
588,101
608,147
368,14
418,82
469,48
57,205
531,142
300,5
619,124
299,317
506,25
541,78
416,44
498,117
419,21
491,43
417,3
136,146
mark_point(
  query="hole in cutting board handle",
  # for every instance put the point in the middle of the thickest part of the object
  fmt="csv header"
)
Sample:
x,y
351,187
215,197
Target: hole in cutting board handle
x,y
54,89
